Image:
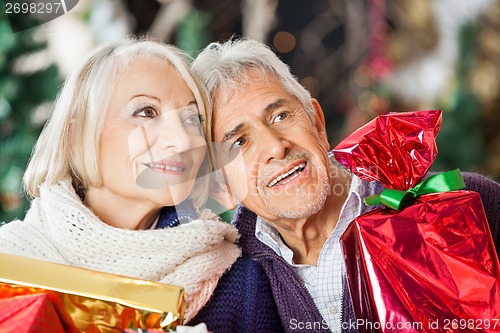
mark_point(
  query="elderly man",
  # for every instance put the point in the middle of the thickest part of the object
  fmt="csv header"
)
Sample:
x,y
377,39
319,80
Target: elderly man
x,y
297,200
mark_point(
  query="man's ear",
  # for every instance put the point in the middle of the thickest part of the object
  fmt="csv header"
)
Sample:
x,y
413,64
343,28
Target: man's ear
x,y
222,194
319,123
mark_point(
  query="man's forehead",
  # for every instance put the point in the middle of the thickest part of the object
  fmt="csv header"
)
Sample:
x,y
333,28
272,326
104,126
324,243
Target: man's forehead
x,y
232,87
224,94
255,96
228,121
232,109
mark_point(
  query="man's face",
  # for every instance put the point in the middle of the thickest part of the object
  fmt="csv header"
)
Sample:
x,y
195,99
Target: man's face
x,y
283,168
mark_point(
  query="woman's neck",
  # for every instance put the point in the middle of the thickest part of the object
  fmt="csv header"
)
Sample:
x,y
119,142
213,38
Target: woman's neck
x,y
121,212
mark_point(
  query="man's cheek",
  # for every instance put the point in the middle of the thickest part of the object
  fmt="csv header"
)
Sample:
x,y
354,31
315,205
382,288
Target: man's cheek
x,y
238,177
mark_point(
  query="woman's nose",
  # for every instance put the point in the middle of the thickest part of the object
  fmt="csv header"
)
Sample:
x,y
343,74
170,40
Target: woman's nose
x,y
169,133
175,137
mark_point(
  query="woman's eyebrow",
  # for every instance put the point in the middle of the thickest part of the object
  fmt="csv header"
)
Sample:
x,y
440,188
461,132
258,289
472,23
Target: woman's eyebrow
x,y
145,95
193,102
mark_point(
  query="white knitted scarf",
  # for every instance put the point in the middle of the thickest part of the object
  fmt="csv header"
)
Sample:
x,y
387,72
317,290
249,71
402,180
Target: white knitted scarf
x,y
59,228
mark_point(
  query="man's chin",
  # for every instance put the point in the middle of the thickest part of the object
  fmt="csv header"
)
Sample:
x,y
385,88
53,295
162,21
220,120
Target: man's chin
x,y
294,209
292,212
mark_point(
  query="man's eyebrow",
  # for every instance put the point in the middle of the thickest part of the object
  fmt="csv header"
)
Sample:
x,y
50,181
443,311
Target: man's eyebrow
x,y
275,105
269,108
228,135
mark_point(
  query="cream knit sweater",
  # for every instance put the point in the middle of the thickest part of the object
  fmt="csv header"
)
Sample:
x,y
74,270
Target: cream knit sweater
x,y
59,228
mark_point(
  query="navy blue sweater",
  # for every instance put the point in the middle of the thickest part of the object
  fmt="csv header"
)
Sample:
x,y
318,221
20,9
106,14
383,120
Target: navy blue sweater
x,y
242,302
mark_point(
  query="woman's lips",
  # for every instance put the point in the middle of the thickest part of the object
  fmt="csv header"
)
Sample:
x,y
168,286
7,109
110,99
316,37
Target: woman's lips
x,y
171,167
155,175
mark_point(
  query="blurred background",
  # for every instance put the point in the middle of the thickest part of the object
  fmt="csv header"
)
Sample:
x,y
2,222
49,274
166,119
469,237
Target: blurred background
x,y
359,58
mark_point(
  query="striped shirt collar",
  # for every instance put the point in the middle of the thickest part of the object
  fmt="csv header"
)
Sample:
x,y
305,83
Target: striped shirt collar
x,y
358,190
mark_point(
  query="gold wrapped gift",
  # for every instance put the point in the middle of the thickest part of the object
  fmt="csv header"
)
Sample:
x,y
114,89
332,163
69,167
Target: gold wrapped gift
x,y
91,301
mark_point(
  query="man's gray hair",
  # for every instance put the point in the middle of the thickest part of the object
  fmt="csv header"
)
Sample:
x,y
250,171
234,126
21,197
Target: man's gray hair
x,y
223,68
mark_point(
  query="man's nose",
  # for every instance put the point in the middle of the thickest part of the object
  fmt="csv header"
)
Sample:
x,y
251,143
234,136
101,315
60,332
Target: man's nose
x,y
272,145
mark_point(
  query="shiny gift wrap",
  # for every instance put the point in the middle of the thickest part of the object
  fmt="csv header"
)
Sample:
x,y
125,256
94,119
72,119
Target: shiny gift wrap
x,y
29,314
91,301
430,267
396,149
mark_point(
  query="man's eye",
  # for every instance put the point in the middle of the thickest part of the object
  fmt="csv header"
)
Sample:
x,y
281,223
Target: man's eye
x,y
239,143
280,117
146,112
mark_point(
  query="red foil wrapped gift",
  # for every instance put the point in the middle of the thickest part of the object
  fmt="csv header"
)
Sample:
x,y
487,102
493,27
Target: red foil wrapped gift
x,y
432,265
29,314
87,301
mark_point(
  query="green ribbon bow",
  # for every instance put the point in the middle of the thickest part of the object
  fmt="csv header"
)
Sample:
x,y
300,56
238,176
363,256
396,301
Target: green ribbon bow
x,y
396,199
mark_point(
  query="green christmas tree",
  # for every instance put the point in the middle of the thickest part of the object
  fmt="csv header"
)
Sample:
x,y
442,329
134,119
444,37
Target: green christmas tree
x,y
460,140
21,95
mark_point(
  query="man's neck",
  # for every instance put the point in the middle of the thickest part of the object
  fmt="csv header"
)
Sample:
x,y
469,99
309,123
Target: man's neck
x,y
309,235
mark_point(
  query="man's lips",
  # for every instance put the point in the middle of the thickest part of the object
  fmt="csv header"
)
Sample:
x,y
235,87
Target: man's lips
x,y
287,174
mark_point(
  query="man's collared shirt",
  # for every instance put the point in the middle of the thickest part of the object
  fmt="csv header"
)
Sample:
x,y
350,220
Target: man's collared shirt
x,y
324,281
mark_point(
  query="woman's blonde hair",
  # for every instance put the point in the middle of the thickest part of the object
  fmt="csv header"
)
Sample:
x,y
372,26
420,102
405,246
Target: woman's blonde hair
x,y
79,113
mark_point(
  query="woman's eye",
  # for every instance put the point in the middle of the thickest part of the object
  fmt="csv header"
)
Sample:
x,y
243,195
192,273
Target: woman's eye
x,y
147,112
280,117
193,119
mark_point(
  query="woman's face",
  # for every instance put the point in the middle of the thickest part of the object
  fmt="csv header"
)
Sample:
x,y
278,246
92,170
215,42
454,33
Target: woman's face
x,y
152,145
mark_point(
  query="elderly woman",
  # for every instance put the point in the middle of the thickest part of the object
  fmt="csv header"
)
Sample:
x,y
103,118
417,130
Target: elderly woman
x,y
116,178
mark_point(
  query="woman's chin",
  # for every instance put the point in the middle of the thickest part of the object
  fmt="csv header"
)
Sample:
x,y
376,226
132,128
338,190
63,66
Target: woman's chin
x,y
151,180
165,193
